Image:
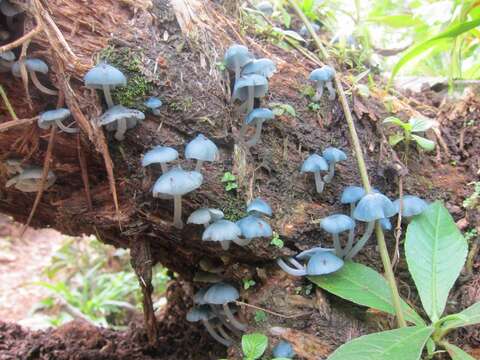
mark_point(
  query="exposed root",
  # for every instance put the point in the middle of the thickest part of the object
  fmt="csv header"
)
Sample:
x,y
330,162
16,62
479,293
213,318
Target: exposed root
x,y
20,41
7,103
18,122
84,168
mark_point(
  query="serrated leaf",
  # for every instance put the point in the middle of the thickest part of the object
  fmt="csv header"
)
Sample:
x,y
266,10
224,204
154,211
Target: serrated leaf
x,y
435,251
254,345
421,123
425,144
400,344
362,285
395,139
469,316
456,353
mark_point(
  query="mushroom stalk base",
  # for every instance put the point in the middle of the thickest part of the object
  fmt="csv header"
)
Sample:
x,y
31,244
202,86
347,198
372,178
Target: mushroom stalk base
x,y
331,90
225,244
242,242
39,85
177,211
337,245
230,317
258,132
289,270
319,91
250,99
121,129
164,167
331,172
351,233
65,128
108,96
214,334
319,184
363,240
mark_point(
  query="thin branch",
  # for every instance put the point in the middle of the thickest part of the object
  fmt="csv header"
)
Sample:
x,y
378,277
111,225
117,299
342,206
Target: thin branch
x,y
14,123
27,37
272,312
7,103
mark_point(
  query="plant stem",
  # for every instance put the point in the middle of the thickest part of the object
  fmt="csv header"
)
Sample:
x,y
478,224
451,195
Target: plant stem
x,y
7,103
362,169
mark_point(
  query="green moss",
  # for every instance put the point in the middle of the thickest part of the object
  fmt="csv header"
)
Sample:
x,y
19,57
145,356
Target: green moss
x,y
233,208
133,95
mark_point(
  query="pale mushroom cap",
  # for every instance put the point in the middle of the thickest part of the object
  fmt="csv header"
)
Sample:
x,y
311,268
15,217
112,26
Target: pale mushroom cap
x,y
221,230
325,73
307,254
45,119
34,173
411,205
374,206
199,313
35,65
220,294
159,155
254,227
120,112
338,223
322,263
201,148
104,74
258,82
7,56
177,182
314,163
258,205
153,103
259,114
264,67
333,155
237,55
283,350
204,216
8,9
199,297
352,194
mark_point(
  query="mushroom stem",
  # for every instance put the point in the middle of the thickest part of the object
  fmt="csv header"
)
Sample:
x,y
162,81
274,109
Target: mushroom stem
x,y
289,270
351,233
218,310
363,240
331,172
225,244
177,211
250,99
237,71
337,245
164,167
198,167
214,334
39,86
222,332
331,90
242,242
295,263
258,131
121,129
108,96
319,182
319,91
65,128
230,317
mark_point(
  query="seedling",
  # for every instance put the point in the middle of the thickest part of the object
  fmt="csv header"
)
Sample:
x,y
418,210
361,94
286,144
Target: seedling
x,y
230,181
276,241
280,109
260,316
314,106
248,283
414,125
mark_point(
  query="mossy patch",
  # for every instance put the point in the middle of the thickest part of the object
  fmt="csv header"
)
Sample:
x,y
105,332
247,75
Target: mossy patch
x,y
233,208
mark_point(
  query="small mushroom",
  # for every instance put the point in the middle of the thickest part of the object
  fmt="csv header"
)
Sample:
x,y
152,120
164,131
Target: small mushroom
x,y
385,224
6,61
307,254
177,182
256,118
223,231
199,297
249,87
264,67
371,207
204,314
297,270
33,66
236,57
252,227
283,350
259,207
13,166
304,32
315,163
105,77
154,104
160,155
333,156
201,149
323,77
29,180
411,206
265,7
351,195
205,216
51,117
223,294
336,224
10,10
322,263
119,119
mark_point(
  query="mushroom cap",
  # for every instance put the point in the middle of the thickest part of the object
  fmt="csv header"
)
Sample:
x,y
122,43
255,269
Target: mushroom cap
x,y
314,163
7,56
104,74
333,155
177,182
325,73
119,112
307,254
283,350
35,65
411,205
264,67
304,32
204,216
221,230
237,55
254,227
259,114
265,7
385,224
45,119
374,206
159,155
324,262
153,103
34,173
8,9
258,82
199,297
201,148
259,206
199,313
335,224
220,294
351,194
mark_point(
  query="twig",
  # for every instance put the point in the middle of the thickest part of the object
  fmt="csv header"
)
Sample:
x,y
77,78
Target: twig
x,y
24,72
241,303
7,103
398,227
18,122
84,169
27,37
362,169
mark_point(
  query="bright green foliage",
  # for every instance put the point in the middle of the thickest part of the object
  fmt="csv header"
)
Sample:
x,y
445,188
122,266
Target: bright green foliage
x,y
456,353
400,344
248,283
473,200
469,316
254,345
276,241
280,109
260,316
436,252
414,125
230,181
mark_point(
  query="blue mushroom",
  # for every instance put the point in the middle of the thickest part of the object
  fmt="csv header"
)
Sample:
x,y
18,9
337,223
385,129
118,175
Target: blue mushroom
x,y
411,206
304,31
154,104
264,67
351,195
252,227
259,207
201,149
385,224
236,57
223,231
205,216
265,7
333,156
249,87
298,269
336,224
177,182
315,163
223,294
283,350
204,314
105,77
160,155
307,254
33,67
119,119
256,118
323,77
322,263
56,117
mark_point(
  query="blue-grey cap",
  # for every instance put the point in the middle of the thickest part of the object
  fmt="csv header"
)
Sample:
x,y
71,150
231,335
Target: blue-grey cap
x,y
7,56
199,296
220,294
46,119
304,32
283,350
335,224
411,205
258,82
221,230
237,55
314,163
325,73
265,7
204,216
119,112
199,313
374,206
35,65
177,182
201,148
333,155
385,224
259,206
352,194
307,254
159,155
322,263
264,67
8,9
153,103
259,114
254,227
104,74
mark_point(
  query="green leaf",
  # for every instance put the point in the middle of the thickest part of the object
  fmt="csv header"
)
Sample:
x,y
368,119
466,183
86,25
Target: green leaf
x,y
362,285
425,144
254,345
469,316
396,21
435,251
456,353
400,344
394,120
450,33
421,123
395,139
228,176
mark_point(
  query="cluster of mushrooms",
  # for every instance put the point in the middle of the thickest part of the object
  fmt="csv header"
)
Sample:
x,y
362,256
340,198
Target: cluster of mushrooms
x,y
316,164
